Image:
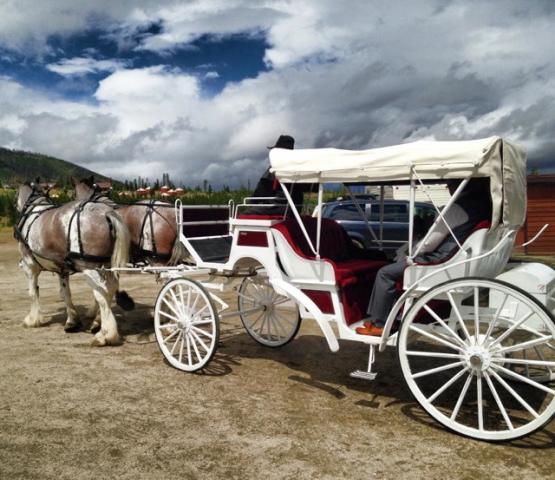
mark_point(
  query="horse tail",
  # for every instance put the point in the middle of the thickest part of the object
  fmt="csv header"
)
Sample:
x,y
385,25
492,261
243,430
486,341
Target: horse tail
x,y
179,253
120,254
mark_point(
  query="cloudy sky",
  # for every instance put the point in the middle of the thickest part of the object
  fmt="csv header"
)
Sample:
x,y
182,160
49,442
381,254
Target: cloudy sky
x,y
199,88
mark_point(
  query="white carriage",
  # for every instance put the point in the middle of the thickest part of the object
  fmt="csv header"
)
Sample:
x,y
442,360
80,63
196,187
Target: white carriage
x,y
477,353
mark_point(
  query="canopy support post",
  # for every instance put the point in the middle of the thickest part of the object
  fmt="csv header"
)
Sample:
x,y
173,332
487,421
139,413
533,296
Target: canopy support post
x,y
362,214
411,214
319,224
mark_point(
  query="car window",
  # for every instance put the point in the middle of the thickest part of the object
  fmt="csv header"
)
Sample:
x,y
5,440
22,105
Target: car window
x,y
347,211
396,212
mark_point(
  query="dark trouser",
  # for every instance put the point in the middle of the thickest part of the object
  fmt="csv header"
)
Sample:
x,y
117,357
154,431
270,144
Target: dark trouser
x,y
383,293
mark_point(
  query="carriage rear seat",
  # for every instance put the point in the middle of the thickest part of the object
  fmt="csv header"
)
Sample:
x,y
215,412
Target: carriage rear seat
x,y
354,277
334,248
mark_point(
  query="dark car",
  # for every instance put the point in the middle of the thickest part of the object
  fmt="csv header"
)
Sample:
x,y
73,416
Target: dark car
x,y
395,221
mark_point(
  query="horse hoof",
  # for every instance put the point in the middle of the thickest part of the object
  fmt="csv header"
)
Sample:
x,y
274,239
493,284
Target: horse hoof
x,y
98,342
72,327
32,322
95,328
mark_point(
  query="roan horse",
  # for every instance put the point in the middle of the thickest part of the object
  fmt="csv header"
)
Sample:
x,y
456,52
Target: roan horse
x,y
152,226
71,238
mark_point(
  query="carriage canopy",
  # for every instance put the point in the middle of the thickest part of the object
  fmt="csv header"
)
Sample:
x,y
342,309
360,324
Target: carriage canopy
x,y
500,160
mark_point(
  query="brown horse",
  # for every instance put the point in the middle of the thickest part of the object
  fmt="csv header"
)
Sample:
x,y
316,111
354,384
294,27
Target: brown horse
x,y
74,237
152,226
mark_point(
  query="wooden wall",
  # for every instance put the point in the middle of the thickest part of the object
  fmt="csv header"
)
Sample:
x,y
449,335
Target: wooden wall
x,y
541,210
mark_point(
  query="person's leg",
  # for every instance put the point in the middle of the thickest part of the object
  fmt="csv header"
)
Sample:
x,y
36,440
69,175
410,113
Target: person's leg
x,y
383,293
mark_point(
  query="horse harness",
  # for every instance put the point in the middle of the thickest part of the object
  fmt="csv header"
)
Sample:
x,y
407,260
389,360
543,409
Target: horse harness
x,y
153,254
29,209
76,216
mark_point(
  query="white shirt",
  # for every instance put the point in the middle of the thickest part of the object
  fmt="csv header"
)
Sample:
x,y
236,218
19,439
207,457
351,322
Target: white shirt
x,y
455,216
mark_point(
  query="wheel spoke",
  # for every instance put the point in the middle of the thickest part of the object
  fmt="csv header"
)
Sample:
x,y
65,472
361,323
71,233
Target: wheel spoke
x,y
476,313
175,300
524,345
199,358
523,379
440,390
525,361
170,306
200,330
171,335
480,401
496,316
257,320
250,299
169,316
199,340
433,354
510,330
436,338
458,315
202,322
461,397
189,350
168,325
176,342
436,317
437,369
498,401
199,313
181,348
514,394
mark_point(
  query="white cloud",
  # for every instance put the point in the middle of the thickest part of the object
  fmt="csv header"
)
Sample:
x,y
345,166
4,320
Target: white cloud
x,y
211,75
357,77
84,65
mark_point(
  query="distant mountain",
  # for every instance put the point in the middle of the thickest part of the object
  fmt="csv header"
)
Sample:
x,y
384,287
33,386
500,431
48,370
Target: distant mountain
x,y
18,166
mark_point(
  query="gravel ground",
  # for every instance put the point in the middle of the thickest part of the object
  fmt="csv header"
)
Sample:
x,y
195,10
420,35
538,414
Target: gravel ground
x,y
70,411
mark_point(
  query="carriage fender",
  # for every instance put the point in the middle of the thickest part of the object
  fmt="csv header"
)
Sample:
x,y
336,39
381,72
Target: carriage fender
x,y
296,294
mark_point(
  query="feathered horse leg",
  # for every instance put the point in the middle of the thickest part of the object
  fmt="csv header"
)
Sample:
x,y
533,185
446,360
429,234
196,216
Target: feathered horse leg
x,y
72,323
32,270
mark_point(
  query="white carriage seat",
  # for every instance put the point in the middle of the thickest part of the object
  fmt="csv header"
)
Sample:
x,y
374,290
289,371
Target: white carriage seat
x,y
353,277
477,243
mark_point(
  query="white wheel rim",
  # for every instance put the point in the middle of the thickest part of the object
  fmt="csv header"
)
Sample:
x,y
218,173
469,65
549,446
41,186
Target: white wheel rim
x,y
479,376
271,319
185,325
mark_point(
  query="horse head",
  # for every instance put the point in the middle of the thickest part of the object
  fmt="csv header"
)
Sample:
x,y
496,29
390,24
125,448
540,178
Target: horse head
x,y
84,188
28,192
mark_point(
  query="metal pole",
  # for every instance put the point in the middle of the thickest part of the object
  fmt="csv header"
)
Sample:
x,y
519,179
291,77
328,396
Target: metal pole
x,y
319,224
411,214
382,193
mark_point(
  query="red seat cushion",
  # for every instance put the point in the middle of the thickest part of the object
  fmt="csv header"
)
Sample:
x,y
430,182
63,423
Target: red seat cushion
x,y
354,277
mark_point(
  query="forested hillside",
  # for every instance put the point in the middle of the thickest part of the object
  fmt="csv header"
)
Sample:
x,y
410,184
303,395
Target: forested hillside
x,y
17,166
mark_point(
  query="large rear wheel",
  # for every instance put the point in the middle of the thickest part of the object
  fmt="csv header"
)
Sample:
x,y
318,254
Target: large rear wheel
x,y
478,356
270,319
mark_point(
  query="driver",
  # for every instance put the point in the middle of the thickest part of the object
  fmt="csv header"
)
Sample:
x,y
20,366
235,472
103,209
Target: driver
x,y
472,207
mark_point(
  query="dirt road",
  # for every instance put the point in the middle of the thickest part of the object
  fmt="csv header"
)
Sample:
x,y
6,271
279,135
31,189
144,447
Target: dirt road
x,y
69,411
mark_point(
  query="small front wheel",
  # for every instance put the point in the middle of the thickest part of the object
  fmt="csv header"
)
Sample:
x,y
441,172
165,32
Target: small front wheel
x,y
186,325
271,319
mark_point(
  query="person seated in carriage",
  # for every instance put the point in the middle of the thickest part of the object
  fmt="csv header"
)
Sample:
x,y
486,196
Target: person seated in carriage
x,y
471,208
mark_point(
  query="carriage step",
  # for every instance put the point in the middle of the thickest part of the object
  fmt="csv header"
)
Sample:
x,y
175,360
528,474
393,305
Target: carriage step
x,y
363,375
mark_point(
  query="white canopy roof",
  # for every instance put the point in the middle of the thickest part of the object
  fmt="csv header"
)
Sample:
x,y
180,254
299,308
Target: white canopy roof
x,y
503,162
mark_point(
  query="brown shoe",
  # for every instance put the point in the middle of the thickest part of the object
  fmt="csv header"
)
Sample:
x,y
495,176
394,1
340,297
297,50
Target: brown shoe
x,y
372,330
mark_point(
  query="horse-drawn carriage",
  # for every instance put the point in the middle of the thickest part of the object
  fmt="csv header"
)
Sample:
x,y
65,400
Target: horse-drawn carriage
x,y
477,353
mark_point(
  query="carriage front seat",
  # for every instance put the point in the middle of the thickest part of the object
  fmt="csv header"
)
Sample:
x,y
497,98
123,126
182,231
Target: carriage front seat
x,y
480,240
353,276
